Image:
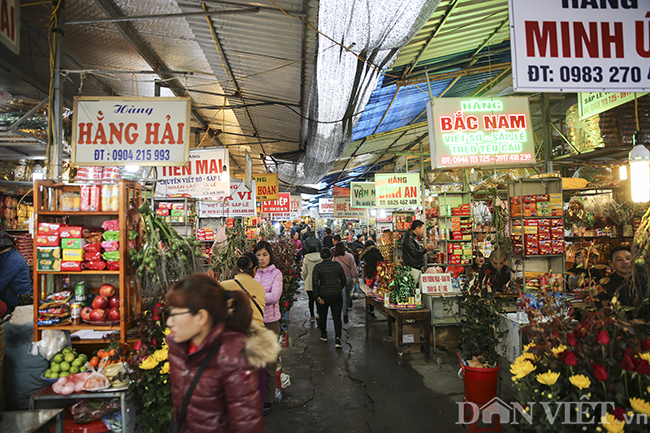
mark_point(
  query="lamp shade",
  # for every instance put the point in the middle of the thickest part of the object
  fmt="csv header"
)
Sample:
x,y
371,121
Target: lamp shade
x,y
640,173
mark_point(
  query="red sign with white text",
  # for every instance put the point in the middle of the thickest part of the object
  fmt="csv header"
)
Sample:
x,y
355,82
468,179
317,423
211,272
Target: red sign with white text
x,y
282,204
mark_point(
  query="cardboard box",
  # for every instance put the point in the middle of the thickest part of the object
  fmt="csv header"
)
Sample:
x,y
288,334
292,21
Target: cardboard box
x,y
47,240
410,334
48,265
75,255
48,229
71,231
557,197
177,212
48,253
73,243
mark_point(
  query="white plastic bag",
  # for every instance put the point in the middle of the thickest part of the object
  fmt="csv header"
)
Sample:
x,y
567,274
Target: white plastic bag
x,y
51,343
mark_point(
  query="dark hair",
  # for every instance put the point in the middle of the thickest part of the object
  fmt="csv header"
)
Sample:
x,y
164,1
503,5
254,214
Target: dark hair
x,y
337,238
202,292
326,253
339,250
360,236
370,243
312,233
415,224
312,249
264,245
617,249
328,231
296,233
247,263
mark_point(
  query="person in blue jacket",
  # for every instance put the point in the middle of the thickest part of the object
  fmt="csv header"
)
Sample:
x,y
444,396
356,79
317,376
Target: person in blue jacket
x,y
15,278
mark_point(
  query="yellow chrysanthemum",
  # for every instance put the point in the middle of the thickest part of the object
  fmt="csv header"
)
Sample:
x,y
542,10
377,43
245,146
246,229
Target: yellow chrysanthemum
x,y
557,350
522,369
528,346
549,378
148,363
640,406
161,355
580,381
165,368
167,331
526,356
645,355
611,424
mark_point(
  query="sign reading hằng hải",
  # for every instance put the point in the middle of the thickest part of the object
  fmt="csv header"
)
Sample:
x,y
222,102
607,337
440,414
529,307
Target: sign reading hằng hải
x,y
395,190
480,132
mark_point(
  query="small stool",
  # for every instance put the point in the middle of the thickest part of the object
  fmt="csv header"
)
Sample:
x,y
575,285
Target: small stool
x,y
489,412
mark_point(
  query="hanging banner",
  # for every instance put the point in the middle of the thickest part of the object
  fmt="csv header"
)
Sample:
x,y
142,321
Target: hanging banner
x,y
248,171
362,194
342,209
240,203
593,103
205,176
480,132
267,186
296,206
338,191
280,216
10,24
281,205
579,46
397,189
326,207
436,284
130,131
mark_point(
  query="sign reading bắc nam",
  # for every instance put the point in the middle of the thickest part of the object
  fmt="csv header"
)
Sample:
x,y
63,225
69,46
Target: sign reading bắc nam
x,y
397,189
205,176
267,186
362,194
130,131
342,209
480,132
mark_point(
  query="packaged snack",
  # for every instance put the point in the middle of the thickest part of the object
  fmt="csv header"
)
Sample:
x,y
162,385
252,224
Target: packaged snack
x,y
95,265
111,256
71,266
110,245
48,253
111,235
48,265
73,243
75,255
92,256
70,231
113,265
48,229
70,201
47,240
111,225
97,381
93,237
94,248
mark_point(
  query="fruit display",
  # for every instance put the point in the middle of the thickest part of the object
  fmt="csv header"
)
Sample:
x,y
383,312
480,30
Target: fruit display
x,y
70,384
105,306
65,363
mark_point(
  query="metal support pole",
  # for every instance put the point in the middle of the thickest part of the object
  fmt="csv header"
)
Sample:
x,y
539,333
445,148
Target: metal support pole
x,y
429,85
424,204
547,132
56,155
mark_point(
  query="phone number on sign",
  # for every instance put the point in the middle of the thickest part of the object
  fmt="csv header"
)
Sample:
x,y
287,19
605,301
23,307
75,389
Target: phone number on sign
x,y
485,159
132,155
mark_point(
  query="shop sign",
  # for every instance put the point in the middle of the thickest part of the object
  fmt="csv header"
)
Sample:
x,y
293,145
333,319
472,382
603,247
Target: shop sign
x,y
397,189
593,103
240,203
205,176
436,284
362,194
480,132
10,24
296,205
338,191
281,205
579,45
342,209
130,131
267,186
326,206
280,216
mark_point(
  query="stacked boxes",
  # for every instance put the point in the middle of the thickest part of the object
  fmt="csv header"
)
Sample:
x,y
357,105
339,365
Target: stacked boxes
x,y
537,205
459,253
538,237
48,252
71,248
205,234
171,212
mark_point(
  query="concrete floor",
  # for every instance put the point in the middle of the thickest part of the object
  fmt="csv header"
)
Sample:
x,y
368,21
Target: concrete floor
x,y
361,388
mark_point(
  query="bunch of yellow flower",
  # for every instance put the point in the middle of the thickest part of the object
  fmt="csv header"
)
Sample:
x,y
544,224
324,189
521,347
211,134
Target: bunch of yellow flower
x,y
160,355
523,366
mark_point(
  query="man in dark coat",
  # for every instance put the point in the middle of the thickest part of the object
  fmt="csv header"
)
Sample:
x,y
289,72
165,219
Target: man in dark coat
x,y
412,252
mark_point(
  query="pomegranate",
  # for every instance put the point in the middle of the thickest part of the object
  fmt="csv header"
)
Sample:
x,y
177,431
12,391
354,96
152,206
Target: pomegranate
x,y
114,314
85,314
98,315
107,290
114,302
100,302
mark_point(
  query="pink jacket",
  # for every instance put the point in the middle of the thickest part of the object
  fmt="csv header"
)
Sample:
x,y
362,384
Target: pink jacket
x,y
349,265
271,279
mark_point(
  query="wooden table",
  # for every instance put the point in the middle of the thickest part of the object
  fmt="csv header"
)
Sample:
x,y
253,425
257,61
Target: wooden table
x,y
421,315
31,421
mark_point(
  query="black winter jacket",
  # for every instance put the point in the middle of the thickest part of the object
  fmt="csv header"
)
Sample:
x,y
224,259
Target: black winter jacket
x,y
328,279
413,253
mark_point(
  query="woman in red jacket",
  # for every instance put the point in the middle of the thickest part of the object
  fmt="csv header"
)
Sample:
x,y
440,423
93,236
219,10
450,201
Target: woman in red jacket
x,y
207,320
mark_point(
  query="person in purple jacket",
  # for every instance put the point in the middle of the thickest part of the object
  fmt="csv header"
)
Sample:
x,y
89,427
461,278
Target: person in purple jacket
x,y
270,278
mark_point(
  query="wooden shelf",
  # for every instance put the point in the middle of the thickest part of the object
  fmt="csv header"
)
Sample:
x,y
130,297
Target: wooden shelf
x,y
455,240
75,213
537,217
79,327
86,272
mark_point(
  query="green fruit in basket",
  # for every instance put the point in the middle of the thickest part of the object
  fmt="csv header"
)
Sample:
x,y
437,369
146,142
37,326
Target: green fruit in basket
x,y
74,369
54,375
55,367
64,374
77,362
66,350
65,366
47,374
69,357
58,358
83,368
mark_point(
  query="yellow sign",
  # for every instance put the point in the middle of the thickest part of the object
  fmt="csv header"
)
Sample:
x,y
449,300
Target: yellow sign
x,y
267,186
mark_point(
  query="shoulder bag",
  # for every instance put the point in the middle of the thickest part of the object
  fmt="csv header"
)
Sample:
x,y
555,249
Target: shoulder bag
x,y
252,299
175,426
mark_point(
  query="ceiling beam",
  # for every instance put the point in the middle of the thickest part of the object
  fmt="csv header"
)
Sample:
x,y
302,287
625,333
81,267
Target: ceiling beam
x,y
158,16
454,74
273,9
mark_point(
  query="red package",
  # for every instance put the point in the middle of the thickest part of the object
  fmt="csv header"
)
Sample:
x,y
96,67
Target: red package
x,y
48,229
70,231
70,266
93,248
91,198
47,240
96,266
113,266
92,256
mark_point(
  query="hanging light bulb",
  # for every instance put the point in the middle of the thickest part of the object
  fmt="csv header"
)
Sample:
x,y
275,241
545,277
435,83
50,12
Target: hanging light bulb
x,y
622,172
37,172
640,170
224,174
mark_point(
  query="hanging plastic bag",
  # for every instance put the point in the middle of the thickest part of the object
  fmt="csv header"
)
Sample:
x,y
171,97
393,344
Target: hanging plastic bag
x,y
51,344
97,381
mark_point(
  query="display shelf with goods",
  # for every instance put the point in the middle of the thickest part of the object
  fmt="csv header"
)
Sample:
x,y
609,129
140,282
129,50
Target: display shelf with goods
x,y
537,231
401,223
179,212
455,229
16,206
77,251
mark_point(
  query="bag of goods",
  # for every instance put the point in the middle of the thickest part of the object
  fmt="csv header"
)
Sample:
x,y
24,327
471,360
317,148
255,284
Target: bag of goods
x,y
93,237
117,373
95,266
111,235
111,225
93,248
91,410
110,245
92,256
70,384
111,256
113,265
97,381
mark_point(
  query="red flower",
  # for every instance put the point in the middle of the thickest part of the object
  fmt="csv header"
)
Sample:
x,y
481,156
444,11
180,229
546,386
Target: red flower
x,y
600,373
619,413
571,340
645,344
603,337
286,304
154,341
628,363
643,367
569,358
137,346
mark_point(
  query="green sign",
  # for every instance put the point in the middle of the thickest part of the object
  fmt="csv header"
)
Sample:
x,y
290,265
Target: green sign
x,y
397,189
362,194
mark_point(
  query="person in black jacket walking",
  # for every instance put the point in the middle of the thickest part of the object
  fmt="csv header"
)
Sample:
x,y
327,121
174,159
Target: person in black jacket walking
x,y
327,283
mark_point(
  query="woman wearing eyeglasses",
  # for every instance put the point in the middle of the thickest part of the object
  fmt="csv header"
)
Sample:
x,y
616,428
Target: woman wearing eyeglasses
x,y
214,351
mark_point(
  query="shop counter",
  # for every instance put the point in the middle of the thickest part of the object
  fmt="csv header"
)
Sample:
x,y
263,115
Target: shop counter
x,y
420,315
31,421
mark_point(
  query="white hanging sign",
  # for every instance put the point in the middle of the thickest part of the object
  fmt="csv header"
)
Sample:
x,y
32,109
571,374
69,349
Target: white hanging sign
x,y
205,176
342,209
326,206
397,189
240,203
436,284
10,24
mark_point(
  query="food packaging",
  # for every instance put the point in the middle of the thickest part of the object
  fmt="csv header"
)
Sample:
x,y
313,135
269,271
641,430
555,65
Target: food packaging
x,y
47,240
95,265
93,237
48,229
111,256
93,248
113,265
73,243
110,245
92,256
70,266
48,253
111,225
70,231
48,265
73,255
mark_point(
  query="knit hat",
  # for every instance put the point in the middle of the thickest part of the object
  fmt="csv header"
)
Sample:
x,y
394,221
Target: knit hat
x,y
6,240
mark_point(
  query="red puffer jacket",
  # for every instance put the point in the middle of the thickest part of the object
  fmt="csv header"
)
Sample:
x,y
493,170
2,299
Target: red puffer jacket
x,y
226,397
